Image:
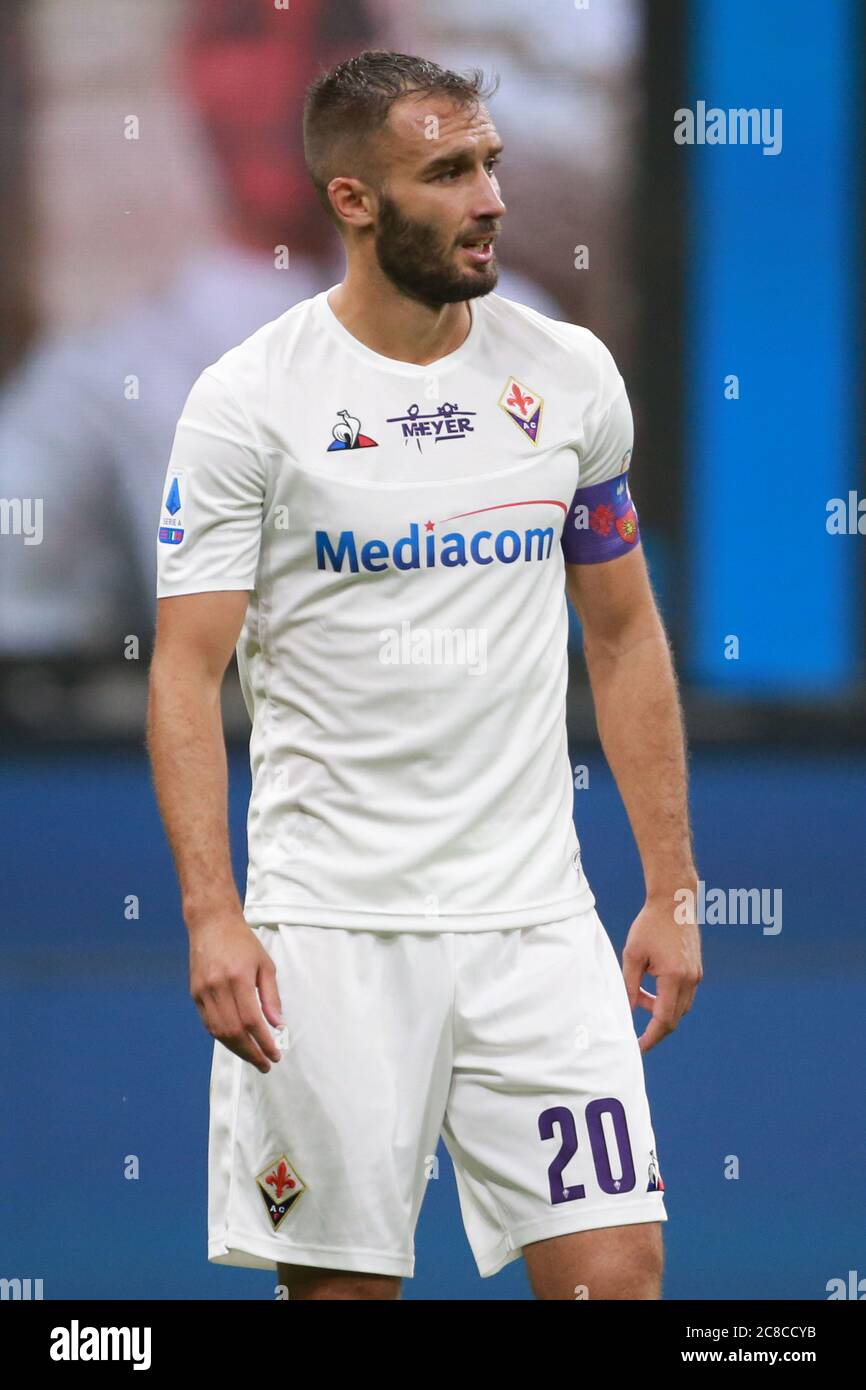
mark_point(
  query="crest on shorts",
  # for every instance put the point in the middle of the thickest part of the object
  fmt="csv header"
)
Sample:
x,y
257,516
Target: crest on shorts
x,y
655,1183
280,1185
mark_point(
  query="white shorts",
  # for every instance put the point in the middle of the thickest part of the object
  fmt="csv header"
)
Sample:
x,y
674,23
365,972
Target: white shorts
x,y
517,1046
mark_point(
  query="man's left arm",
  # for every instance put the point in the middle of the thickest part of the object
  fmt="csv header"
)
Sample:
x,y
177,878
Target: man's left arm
x,y
642,733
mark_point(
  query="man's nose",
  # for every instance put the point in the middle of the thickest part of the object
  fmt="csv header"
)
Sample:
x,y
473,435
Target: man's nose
x,y
489,203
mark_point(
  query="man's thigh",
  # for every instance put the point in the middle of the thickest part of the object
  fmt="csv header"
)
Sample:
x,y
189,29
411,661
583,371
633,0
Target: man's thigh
x,y
302,1282
613,1262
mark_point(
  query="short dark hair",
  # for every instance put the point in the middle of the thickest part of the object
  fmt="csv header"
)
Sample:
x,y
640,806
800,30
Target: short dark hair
x,y
346,107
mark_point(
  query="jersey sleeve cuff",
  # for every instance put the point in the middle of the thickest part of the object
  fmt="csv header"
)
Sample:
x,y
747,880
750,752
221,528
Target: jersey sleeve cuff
x,y
174,588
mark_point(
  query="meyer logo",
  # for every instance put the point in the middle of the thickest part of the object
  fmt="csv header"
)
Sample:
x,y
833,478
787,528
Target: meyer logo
x,y
415,551
446,422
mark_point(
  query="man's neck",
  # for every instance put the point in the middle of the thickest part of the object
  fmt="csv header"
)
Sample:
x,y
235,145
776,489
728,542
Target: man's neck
x,y
394,325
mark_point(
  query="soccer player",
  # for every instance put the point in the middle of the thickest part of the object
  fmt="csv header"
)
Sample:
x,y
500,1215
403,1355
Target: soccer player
x,y
418,952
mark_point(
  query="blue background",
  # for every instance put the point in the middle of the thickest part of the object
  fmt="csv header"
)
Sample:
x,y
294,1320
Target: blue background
x,y
109,1056
774,296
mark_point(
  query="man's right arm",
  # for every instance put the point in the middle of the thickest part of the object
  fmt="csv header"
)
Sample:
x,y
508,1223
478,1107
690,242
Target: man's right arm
x,y
195,637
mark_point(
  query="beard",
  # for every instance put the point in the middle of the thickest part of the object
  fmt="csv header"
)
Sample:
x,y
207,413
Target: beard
x,y
415,258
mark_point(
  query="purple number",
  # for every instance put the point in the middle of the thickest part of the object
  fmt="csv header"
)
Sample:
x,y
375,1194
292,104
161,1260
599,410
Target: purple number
x,y
606,1181
560,1115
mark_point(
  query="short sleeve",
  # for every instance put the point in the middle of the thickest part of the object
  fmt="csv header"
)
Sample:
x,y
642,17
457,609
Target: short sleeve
x,y
210,522
602,521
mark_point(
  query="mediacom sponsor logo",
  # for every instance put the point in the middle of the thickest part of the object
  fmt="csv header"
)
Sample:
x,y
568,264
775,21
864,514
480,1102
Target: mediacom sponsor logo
x,y
416,551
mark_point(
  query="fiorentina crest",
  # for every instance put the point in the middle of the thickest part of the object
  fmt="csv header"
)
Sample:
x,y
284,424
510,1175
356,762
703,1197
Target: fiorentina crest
x,y
280,1185
524,406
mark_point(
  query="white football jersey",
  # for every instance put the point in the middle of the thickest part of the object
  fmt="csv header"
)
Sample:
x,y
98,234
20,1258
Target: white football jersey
x,y
404,653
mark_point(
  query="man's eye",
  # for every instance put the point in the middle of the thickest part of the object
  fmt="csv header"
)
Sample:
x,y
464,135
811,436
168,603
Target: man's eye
x,y
490,164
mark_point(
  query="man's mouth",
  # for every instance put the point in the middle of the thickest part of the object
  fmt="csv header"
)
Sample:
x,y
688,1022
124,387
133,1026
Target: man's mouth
x,y
479,249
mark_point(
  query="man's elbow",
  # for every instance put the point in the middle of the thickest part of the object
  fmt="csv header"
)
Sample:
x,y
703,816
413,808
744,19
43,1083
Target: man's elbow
x,y
615,640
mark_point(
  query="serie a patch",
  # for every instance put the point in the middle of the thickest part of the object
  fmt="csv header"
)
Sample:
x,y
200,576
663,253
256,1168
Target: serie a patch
x,y
280,1185
171,522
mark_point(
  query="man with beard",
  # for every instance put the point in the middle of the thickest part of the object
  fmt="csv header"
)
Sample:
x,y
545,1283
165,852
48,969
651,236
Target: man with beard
x,y
418,952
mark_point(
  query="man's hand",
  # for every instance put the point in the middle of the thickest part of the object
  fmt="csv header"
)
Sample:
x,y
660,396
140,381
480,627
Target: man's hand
x,y
227,963
660,945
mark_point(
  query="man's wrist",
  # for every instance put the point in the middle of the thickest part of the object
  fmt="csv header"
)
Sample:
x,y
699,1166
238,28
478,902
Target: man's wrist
x,y
665,887
211,910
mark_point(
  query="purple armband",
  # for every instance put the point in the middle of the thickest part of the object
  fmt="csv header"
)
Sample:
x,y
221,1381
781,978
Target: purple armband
x,y
601,523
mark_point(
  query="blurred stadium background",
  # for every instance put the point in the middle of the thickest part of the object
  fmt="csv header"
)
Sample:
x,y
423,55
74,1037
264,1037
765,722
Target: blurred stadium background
x,y
150,163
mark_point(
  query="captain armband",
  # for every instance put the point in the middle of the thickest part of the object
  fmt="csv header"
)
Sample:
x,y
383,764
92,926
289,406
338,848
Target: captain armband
x,y
601,523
